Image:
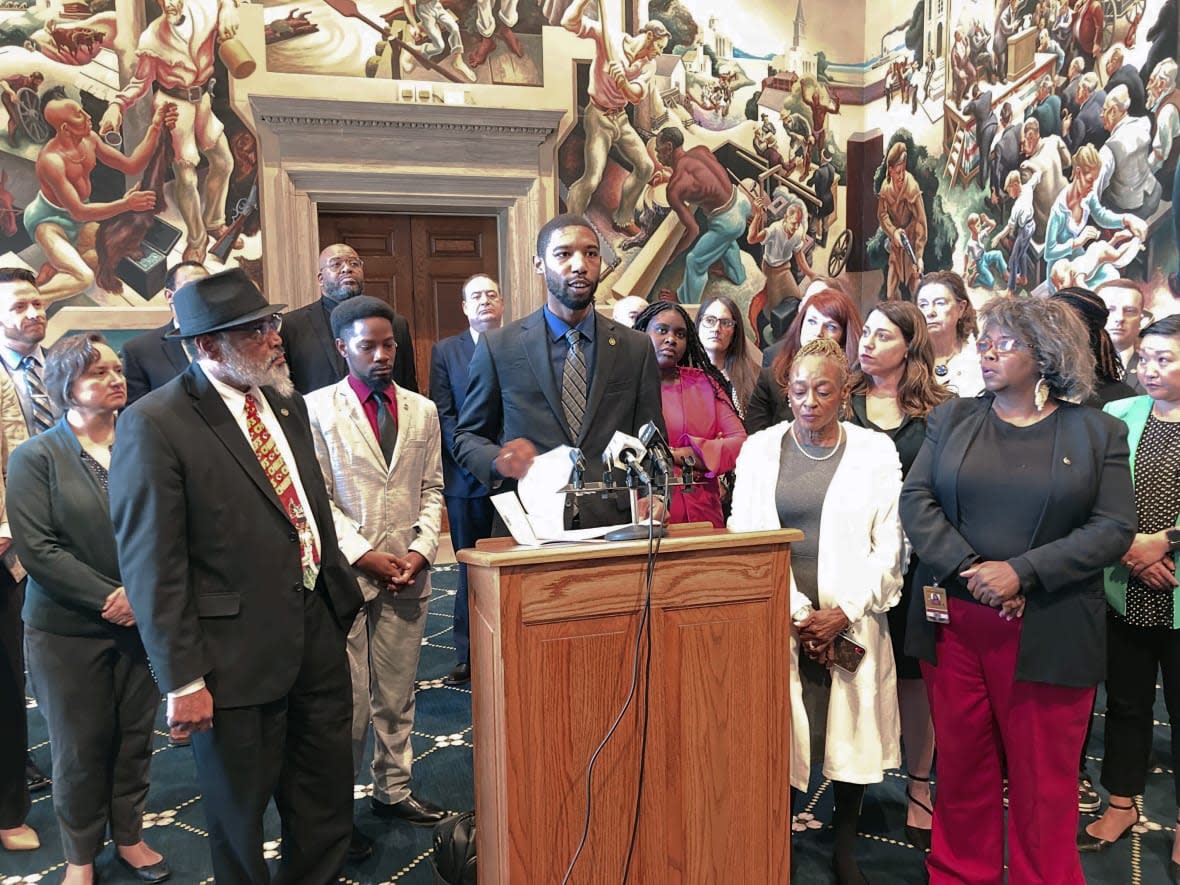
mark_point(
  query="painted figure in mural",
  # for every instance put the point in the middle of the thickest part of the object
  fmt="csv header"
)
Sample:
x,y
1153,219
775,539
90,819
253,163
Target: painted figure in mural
x,y
1164,99
1020,227
1120,72
1007,24
621,74
1069,90
823,183
1048,157
982,266
699,179
1069,231
1004,156
979,108
1125,182
815,97
1088,21
176,53
56,217
962,70
9,87
783,243
902,216
76,43
929,74
1046,44
429,20
494,18
1086,126
981,53
1045,108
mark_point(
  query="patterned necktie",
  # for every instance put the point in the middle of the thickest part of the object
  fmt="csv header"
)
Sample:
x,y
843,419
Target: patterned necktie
x,y
276,471
573,383
38,396
386,427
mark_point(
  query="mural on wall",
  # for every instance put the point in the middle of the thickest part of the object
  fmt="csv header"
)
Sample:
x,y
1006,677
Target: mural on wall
x,y
463,41
97,206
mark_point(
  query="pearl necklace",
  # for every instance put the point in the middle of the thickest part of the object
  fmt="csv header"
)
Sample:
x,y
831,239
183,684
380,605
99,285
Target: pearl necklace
x,y
806,454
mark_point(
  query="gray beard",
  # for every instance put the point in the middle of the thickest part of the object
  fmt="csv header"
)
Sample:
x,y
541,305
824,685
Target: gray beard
x,y
242,372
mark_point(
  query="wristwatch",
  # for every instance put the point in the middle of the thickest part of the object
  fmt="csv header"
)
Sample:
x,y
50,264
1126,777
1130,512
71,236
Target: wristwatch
x,y
1173,536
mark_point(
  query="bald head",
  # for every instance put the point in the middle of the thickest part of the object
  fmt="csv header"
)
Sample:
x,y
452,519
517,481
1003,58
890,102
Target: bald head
x,y
342,273
627,309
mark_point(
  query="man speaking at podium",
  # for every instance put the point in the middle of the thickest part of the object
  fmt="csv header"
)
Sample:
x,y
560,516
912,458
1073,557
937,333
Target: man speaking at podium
x,y
563,375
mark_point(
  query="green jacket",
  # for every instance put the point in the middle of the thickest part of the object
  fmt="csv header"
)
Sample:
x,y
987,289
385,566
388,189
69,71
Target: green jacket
x,y
1134,413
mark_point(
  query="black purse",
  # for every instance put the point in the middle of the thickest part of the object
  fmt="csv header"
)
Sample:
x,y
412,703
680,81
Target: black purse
x,y
454,850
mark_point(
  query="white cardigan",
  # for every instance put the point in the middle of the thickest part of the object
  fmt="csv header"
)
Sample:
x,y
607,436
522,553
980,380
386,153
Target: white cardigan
x,y
859,569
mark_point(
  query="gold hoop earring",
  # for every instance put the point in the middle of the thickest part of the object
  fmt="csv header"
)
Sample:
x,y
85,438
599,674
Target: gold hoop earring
x,y
1041,394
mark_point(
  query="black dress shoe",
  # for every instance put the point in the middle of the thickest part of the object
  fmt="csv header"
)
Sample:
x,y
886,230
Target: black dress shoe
x,y
360,847
1173,870
412,810
36,778
178,743
153,872
461,675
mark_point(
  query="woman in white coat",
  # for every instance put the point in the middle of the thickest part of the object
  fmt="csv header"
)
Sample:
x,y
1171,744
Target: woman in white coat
x,y
839,483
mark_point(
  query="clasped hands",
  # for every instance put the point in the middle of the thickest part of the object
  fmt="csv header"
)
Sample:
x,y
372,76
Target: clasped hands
x,y
817,632
996,584
117,609
1149,559
390,571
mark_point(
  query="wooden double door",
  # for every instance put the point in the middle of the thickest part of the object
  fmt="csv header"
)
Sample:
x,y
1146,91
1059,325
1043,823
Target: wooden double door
x,y
418,264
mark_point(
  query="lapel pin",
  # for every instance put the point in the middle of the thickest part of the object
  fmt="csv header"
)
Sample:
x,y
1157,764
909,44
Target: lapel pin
x,y
1066,460
284,413
611,340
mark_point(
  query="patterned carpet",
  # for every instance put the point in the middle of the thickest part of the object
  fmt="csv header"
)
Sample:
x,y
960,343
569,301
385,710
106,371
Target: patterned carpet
x,y
443,773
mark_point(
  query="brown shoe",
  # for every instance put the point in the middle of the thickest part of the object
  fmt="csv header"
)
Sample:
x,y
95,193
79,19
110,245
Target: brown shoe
x,y
481,52
505,33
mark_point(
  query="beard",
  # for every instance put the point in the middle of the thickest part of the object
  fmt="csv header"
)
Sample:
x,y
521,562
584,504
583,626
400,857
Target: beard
x,y
243,370
572,299
343,289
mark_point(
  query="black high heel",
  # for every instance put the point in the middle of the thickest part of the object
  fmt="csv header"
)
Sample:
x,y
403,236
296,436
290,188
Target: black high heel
x,y
1091,843
919,837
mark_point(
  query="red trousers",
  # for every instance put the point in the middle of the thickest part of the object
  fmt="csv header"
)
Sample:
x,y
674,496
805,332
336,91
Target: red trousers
x,y
984,716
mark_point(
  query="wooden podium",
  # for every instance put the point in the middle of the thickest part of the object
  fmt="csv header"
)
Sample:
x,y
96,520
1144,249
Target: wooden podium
x,y
552,641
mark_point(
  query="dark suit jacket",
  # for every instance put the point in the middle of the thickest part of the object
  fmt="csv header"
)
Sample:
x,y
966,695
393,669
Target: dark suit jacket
x,y
768,403
1087,127
314,360
512,393
1006,159
1086,523
61,526
986,121
150,360
449,362
1128,75
209,558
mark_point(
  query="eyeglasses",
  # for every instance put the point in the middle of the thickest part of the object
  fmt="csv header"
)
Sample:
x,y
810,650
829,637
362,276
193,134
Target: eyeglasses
x,y
661,330
262,328
712,322
338,264
999,345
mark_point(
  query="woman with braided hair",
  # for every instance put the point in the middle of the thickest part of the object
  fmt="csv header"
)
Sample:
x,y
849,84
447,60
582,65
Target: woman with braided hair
x,y
1108,369
839,484
702,421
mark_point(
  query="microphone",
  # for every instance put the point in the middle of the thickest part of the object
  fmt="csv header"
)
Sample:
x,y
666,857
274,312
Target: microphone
x,y
579,472
608,478
657,447
627,452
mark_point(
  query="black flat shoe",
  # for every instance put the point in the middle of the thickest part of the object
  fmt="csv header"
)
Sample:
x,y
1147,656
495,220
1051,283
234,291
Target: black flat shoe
x,y
919,837
1092,844
153,872
461,675
36,778
360,847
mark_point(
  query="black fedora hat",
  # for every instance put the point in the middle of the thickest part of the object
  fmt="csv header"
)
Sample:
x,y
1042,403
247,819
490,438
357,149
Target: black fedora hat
x,y
219,301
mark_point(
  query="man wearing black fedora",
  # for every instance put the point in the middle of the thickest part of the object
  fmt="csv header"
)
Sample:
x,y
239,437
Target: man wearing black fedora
x,y
231,565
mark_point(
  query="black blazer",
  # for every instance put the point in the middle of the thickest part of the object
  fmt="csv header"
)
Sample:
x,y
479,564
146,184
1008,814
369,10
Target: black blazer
x,y
449,362
512,393
768,403
314,360
61,527
209,558
1087,522
150,360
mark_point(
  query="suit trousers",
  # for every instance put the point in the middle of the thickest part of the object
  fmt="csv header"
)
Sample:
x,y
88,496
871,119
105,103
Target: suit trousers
x,y
295,749
984,715
1134,655
14,734
99,701
384,645
470,519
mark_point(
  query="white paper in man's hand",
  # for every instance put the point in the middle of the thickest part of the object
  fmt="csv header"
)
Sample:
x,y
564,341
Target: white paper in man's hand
x,y
540,491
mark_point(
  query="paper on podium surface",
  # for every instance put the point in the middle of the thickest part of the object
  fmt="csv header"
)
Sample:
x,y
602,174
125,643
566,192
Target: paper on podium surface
x,y
524,530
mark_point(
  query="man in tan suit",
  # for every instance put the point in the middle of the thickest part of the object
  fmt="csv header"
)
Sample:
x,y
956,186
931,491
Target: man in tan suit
x,y
379,448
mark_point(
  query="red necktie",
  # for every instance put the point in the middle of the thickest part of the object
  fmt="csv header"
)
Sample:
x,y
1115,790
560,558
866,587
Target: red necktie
x,y
276,471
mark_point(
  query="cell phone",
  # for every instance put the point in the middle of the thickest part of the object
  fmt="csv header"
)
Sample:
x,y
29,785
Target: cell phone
x,y
847,653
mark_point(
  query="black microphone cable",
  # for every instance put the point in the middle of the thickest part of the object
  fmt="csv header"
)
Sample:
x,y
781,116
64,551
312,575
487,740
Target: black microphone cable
x,y
653,548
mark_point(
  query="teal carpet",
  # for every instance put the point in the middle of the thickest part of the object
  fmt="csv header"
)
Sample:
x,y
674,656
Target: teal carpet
x,y
442,739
